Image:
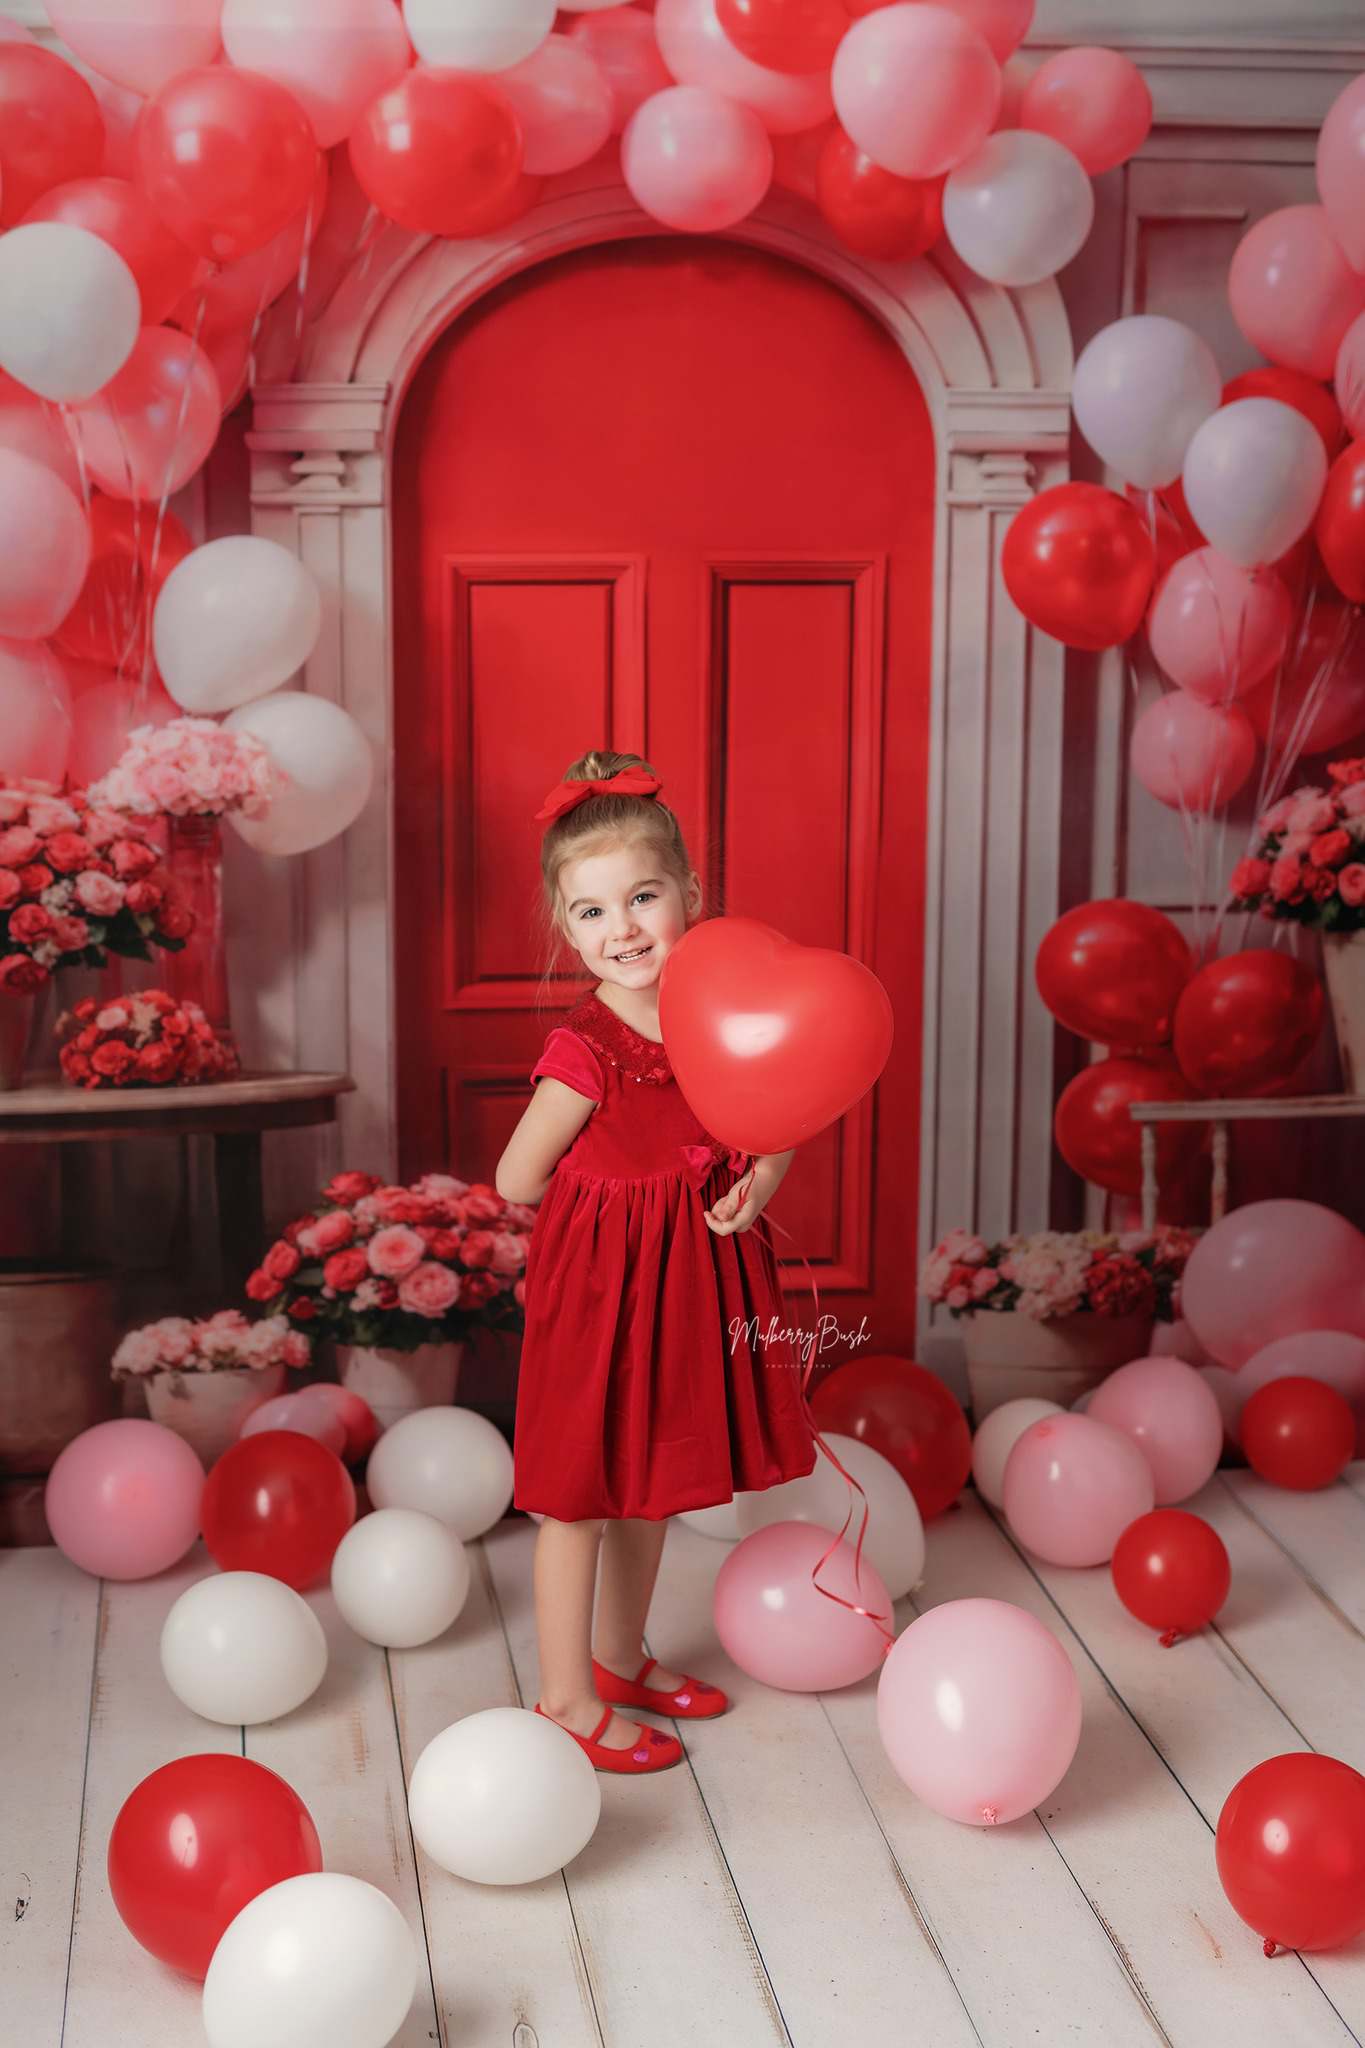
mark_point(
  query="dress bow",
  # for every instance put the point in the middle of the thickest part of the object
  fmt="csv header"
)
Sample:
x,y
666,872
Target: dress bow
x,y
701,1162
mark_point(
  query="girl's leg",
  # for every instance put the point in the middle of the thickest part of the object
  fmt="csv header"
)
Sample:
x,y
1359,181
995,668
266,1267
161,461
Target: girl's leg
x,y
631,1551
565,1568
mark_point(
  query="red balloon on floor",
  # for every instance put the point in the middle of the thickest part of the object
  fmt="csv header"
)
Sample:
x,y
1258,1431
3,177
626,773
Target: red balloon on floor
x,y
908,1415
277,1503
1298,1433
1291,1851
1171,1570
197,1841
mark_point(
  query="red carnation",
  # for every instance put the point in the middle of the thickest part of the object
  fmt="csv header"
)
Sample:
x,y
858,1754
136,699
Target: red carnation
x,y
142,897
479,1248
1321,883
132,859
345,1188
303,1310
177,920
30,923
1330,849
281,1262
68,852
1119,1286
345,1270
113,1059
477,1289
35,878
261,1287
445,1244
156,1063
1250,878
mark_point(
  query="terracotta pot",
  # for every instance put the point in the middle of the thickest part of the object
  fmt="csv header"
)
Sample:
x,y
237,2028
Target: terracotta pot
x,y
208,1409
397,1383
57,1335
1012,1357
1344,966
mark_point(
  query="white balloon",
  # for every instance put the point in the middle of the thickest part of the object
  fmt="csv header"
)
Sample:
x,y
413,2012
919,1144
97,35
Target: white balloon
x,y
503,1797
1019,208
996,1438
241,1648
320,1961
400,1578
327,766
236,618
1140,390
447,1462
477,35
70,310
1253,475
894,1543
721,1521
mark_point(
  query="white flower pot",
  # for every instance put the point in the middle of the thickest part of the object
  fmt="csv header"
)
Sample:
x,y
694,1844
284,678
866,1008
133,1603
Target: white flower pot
x,y
208,1409
1344,963
1012,1357
396,1383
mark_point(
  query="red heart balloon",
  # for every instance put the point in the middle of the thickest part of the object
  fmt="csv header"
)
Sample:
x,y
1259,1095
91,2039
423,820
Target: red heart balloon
x,y
769,1041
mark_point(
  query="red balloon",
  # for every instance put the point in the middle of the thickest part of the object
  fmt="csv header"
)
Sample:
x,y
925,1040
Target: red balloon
x,y
1079,562
1246,1022
239,294
909,1416
277,1503
227,159
441,153
51,127
1325,661
1291,1851
110,622
1099,1140
770,1041
122,216
1296,388
1340,527
194,1843
872,210
1171,1570
1113,971
1298,1433
785,35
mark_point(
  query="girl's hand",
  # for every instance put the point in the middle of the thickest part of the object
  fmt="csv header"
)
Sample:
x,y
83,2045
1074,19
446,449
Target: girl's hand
x,y
734,1211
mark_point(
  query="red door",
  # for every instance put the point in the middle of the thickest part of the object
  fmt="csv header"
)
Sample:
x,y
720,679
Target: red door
x,y
677,498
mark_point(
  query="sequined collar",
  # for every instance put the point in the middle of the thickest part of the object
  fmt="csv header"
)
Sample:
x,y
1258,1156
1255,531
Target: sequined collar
x,y
638,1057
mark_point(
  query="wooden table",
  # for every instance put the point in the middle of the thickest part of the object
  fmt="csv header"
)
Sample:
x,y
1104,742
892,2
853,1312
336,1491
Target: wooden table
x,y
233,1113
1219,1113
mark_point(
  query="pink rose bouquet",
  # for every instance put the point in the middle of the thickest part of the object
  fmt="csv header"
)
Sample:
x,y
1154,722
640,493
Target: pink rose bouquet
x,y
147,1040
397,1267
1309,863
192,767
226,1342
1060,1273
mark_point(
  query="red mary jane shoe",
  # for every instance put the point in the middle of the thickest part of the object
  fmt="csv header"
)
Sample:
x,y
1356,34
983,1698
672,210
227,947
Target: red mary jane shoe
x,y
655,1751
694,1699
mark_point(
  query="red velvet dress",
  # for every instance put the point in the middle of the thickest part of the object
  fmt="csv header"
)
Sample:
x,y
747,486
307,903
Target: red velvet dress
x,y
650,1378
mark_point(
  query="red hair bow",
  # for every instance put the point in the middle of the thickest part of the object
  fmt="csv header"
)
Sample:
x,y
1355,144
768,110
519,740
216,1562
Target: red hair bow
x,y
628,782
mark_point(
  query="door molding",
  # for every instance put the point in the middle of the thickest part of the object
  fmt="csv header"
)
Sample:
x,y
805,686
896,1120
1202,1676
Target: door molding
x,y
995,369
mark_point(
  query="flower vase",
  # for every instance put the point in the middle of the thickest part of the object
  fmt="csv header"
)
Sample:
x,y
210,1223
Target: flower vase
x,y
208,1409
397,1383
198,972
1012,1357
1344,964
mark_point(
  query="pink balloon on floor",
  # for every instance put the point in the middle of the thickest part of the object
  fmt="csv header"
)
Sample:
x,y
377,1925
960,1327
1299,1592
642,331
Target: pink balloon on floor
x,y
37,700
979,1711
1331,1356
1271,1270
1072,1486
774,1623
290,1411
1189,755
1172,1417
122,1500
1219,629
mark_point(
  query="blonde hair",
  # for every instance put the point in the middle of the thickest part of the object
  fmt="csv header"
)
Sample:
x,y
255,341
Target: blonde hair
x,y
600,824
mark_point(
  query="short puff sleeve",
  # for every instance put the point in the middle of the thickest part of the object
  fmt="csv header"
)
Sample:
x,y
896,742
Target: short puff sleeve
x,y
566,1058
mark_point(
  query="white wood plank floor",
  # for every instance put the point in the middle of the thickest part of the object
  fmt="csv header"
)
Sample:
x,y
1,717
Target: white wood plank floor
x,y
782,1885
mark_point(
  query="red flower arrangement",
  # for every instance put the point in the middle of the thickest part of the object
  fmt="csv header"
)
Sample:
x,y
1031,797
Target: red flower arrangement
x,y
395,1267
1309,864
147,1040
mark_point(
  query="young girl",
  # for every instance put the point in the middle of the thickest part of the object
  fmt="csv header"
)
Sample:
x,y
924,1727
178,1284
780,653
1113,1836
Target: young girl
x,y
645,1388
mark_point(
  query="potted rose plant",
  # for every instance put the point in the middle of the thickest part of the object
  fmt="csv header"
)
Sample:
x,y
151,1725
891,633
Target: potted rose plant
x,y
396,1277
204,1378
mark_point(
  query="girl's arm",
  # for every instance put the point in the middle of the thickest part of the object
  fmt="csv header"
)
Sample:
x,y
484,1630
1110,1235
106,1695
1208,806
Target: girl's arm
x,y
748,1198
549,1124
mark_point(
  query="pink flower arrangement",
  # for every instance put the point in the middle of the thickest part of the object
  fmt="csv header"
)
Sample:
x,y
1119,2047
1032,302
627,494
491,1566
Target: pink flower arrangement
x,y
1309,863
398,1267
226,1342
76,884
1060,1273
192,767
147,1040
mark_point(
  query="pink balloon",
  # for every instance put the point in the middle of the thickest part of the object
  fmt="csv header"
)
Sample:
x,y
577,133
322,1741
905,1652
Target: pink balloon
x,y
121,110
776,1625
35,739
563,102
1191,755
1341,170
139,43
105,709
44,548
1271,1270
979,1711
695,160
1177,1340
1072,1486
14,31
1223,1386
31,427
1349,378
1292,291
916,88
1004,23
307,1418
355,1414
153,425
622,43
334,58
697,51
1219,629
1172,1417
123,1499
1332,1356
1096,102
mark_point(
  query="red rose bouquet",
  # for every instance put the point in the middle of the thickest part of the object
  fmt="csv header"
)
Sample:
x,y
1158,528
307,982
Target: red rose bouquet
x,y
394,1268
1309,863
147,1040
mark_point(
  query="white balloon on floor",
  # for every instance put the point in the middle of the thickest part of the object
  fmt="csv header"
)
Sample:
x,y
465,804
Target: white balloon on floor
x,y
447,1462
894,1543
996,1438
241,1648
325,763
503,1797
70,310
400,1578
238,617
721,1521
320,1961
